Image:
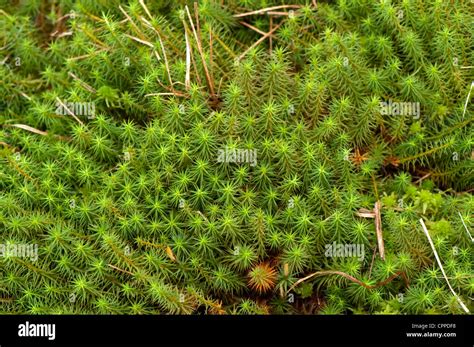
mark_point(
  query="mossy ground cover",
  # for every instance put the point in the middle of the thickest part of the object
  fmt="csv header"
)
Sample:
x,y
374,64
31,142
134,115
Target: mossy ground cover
x,y
239,157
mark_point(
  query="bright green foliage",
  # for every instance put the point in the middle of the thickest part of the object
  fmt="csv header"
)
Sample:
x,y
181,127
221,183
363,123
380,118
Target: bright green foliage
x,y
218,192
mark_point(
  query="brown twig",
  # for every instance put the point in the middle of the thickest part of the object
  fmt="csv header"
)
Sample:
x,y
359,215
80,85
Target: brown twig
x,y
30,129
17,168
135,27
201,53
149,44
25,96
69,111
365,213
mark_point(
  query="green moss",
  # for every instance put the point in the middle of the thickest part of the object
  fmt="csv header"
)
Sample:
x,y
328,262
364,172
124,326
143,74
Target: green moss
x,y
152,193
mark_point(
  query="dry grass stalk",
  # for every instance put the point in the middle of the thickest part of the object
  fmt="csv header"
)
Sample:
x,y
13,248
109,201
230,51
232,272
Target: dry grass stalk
x,y
201,53
425,230
265,10
378,229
